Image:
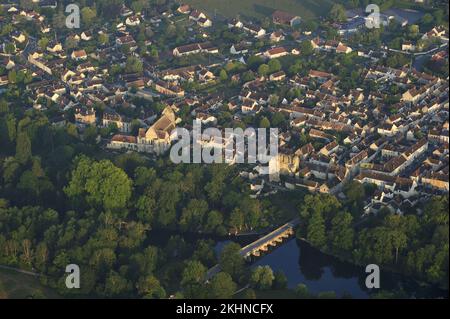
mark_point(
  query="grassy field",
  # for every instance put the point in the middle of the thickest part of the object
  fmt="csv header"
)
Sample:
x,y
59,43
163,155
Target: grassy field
x,y
14,285
306,9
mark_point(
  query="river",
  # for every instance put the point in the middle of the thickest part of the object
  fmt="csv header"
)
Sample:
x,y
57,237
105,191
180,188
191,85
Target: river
x,y
320,272
302,263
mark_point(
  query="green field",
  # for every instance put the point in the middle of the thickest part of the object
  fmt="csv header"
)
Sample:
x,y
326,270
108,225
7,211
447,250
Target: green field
x,y
306,9
15,285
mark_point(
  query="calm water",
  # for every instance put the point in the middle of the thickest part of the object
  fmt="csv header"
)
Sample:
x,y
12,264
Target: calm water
x,y
302,263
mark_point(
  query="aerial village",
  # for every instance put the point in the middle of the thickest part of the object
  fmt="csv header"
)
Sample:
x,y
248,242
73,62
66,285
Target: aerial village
x,y
348,107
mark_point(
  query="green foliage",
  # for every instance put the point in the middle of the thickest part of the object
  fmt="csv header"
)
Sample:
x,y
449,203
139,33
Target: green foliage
x,y
302,291
193,279
23,148
337,13
262,277
342,233
316,230
231,261
133,65
222,286
101,184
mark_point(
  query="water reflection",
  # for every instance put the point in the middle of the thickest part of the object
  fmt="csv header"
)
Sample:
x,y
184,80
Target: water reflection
x,y
302,263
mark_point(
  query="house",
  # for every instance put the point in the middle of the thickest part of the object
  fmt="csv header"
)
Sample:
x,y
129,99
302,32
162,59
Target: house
x,y
249,106
184,9
196,15
8,63
169,89
256,30
276,53
19,37
67,74
288,162
125,12
86,36
436,32
85,116
54,47
119,142
277,36
330,148
323,76
341,48
206,118
195,48
240,48
277,76
4,80
159,136
113,118
205,75
285,18
235,23
79,55
204,22
126,40
132,21
40,63
408,46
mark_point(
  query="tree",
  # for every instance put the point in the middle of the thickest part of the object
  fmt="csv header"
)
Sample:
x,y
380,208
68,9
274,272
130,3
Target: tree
x,y
413,29
70,43
222,286
149,287
280,281
88,15
337,13
254,62
103,38
277,119
12,76
139,5
214,221
192,279
133,65
306,47
316,230
100,183
427,19
399,241
262,277
231,261
23,148
115,285
237,220
302,291
193,215
342,233
42,43
263,70
223,75
8,131
264,122
274,66
10,48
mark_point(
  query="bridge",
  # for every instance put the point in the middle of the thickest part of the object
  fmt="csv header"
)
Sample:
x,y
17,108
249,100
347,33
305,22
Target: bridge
x,y
262,244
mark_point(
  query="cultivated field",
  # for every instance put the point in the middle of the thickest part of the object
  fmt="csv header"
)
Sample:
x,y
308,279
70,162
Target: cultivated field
x,y
306,9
